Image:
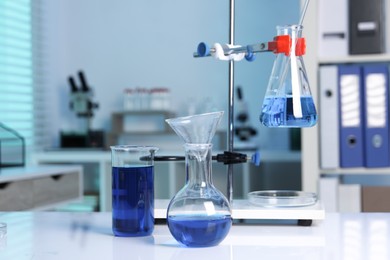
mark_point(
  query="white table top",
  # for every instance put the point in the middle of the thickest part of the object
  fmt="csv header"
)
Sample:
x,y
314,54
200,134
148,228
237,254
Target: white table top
x,y
53,235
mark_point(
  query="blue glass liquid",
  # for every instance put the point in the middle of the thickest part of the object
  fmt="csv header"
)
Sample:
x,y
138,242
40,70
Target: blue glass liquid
x,y
198,231
132,201
278,112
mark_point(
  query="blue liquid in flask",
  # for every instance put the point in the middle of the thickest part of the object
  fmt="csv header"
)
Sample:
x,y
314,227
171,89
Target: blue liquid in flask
x,y
132,201
199,231
278,112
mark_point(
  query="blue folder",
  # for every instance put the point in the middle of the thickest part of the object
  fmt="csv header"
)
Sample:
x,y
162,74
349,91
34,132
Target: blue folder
x,y
351,118
376,125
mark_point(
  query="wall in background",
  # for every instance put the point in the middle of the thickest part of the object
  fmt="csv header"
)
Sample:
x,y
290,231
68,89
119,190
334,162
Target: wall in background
x,y
120,44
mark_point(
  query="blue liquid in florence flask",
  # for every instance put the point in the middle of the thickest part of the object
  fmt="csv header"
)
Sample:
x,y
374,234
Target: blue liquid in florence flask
x,y
199,215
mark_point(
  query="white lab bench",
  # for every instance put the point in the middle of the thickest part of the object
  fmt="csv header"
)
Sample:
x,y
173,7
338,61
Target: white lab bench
x,y
59,235
39,187
170,177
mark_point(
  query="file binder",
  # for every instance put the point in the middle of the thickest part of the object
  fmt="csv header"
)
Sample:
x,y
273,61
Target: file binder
x,y
366,26
333,28
376,125
329,119
351,116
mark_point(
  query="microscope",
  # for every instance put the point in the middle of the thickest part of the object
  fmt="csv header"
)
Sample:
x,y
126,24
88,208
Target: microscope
x,y
82,104
243,130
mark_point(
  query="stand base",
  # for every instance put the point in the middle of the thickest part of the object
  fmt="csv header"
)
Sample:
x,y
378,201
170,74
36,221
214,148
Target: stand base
x,y
243,209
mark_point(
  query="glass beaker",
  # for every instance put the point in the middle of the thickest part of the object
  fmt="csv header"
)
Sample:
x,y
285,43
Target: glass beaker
x,y
132,190
288,101
199,215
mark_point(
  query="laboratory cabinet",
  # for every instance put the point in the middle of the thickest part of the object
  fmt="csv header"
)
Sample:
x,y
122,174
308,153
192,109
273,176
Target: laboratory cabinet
x,y
39,187
322,169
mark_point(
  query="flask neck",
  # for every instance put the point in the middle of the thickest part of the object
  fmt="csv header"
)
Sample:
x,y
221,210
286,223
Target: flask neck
x,y
198,165
295,31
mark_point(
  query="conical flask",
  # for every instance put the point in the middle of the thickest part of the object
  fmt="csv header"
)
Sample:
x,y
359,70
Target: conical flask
x,y
288,101
199,215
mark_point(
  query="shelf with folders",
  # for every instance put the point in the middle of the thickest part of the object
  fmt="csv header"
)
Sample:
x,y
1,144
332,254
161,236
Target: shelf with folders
x,y
350,31
313,168
383,57
356,171
354,123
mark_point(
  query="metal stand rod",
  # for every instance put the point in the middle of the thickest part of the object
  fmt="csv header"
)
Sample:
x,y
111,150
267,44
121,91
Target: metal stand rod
x,y
231,105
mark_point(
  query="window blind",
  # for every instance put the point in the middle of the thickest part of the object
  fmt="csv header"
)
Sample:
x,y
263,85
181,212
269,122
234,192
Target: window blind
x,y
21,77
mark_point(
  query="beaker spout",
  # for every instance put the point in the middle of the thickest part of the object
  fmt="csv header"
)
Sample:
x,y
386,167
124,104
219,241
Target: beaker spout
x,y
196,129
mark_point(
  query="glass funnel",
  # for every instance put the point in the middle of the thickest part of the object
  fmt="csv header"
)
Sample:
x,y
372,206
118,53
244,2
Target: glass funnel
x,y
199,215
196,129
288,101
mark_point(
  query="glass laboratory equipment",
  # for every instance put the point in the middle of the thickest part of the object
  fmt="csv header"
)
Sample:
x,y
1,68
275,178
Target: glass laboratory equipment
x,y
288,101
132,190
199,215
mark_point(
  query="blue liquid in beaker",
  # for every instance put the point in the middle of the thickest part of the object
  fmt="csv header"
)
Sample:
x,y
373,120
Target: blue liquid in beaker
x,y
278,112
199,231
132,201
